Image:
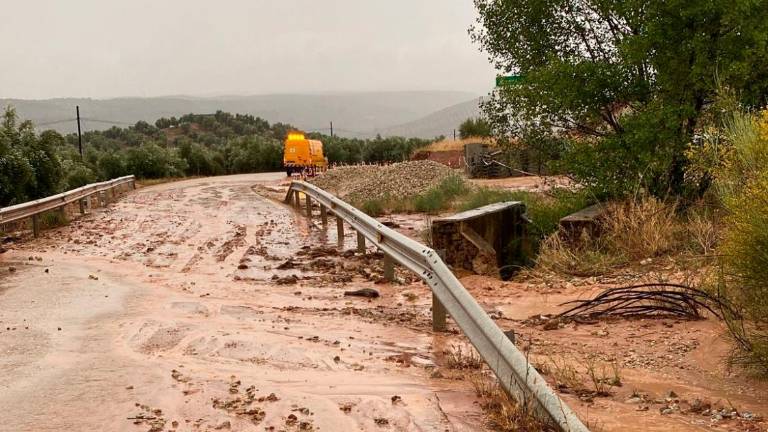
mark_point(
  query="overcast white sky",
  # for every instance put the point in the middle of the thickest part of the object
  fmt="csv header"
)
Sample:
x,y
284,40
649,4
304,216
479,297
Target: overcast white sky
x,y
108,48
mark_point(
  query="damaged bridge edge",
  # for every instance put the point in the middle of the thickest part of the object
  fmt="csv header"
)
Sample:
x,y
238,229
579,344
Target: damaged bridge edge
x,y
516,375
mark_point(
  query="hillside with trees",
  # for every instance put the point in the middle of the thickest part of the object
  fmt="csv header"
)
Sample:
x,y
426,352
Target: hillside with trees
x,y
33,165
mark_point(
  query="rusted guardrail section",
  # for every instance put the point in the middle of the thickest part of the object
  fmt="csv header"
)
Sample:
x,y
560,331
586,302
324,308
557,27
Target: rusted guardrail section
x,y
516,375
32,209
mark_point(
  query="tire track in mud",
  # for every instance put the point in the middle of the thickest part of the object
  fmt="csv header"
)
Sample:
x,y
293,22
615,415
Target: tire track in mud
x,y
205,314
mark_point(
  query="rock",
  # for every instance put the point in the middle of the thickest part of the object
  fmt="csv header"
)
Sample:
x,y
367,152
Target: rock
x,y
552,324
365,292
288,280
93,277
510,334
242,266
11,269
287,265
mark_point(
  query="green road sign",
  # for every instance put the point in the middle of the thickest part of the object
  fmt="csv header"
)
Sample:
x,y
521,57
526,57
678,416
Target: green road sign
x,y
508,80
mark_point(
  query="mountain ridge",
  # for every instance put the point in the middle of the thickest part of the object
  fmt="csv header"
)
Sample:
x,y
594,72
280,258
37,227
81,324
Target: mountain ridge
x,y
355,114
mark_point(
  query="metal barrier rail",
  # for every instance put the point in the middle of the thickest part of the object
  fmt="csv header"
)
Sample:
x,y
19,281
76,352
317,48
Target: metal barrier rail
x,y
516,375
32,209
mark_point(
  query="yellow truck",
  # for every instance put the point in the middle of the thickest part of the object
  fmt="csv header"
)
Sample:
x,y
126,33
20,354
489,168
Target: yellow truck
x,y
302,155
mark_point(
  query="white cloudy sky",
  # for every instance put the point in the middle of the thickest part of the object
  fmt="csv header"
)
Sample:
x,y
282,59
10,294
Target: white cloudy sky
x,y
107,48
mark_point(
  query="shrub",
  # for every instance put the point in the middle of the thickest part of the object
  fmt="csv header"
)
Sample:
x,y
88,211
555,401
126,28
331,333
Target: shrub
x,y
372,208
544,209
642,228
742,181
745,260
153,161
440,197
633,229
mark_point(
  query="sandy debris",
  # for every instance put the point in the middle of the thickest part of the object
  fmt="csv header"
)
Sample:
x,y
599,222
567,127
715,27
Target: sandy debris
x,y
375,182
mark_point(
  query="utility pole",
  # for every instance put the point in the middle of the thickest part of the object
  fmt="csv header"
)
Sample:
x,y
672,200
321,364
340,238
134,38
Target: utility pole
x,y
79,136
454,134
331,129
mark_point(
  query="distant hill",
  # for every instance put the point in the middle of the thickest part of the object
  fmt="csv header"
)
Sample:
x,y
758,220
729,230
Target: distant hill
x,y
442,122
353,114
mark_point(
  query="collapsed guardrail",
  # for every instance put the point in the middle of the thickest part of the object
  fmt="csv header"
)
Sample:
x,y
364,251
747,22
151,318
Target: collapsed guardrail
x,y
516,375
32,209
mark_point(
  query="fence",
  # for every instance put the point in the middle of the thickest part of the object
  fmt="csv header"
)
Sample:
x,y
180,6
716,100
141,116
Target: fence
x,y
33,209
516,375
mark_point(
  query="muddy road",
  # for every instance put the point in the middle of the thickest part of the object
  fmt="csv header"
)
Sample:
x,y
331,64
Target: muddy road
x,y
201,305
204,305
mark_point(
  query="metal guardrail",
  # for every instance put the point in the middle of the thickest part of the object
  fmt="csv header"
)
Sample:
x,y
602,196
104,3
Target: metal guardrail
x,y
32,209
516,375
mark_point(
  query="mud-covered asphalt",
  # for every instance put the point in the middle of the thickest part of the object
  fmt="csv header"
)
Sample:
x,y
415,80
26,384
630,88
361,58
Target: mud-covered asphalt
x,y
201,305
207,305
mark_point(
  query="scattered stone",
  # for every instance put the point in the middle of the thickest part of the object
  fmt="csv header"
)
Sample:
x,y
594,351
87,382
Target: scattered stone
x,y
365,292
552,324
93,277
287,265
287,280
370,182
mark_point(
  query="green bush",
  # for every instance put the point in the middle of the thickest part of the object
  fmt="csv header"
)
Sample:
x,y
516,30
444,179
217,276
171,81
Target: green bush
x,y
440,197
153,161
743,183
544,209
372,208
745,260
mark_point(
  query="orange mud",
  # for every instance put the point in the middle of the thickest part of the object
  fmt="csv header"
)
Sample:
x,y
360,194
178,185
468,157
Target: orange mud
x,y
202,305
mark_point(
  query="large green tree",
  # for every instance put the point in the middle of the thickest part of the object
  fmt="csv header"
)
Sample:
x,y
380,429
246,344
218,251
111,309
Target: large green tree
x,y
628,80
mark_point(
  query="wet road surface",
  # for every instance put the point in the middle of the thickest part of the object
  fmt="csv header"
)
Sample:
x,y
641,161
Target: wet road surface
x,y
201,305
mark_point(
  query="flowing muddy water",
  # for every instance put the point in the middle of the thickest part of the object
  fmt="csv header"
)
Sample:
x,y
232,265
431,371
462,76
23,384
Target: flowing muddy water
x,y
200,305
203,305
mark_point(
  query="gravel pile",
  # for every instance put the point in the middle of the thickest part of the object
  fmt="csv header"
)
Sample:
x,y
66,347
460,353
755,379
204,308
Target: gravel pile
x,y
366,182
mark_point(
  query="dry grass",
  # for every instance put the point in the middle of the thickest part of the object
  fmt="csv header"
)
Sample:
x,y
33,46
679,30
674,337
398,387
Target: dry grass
x,y
463,358
453,145
503,413
631,231
586,257
703,231
596,378
642,228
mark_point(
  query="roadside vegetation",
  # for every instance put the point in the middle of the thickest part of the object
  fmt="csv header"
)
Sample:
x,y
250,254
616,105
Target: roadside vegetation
x,y
34,165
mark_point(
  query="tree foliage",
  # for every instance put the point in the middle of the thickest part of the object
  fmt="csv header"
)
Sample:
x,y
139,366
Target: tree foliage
x,y
475,127
35,165
626,81
29,165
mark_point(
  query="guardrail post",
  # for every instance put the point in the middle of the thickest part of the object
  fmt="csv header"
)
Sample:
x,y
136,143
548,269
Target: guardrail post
x,y
102,199
323,215
297,200
438,315
133,184
360,243
35,225
438,309
81,202
340,231
309,206
62,213
389,268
